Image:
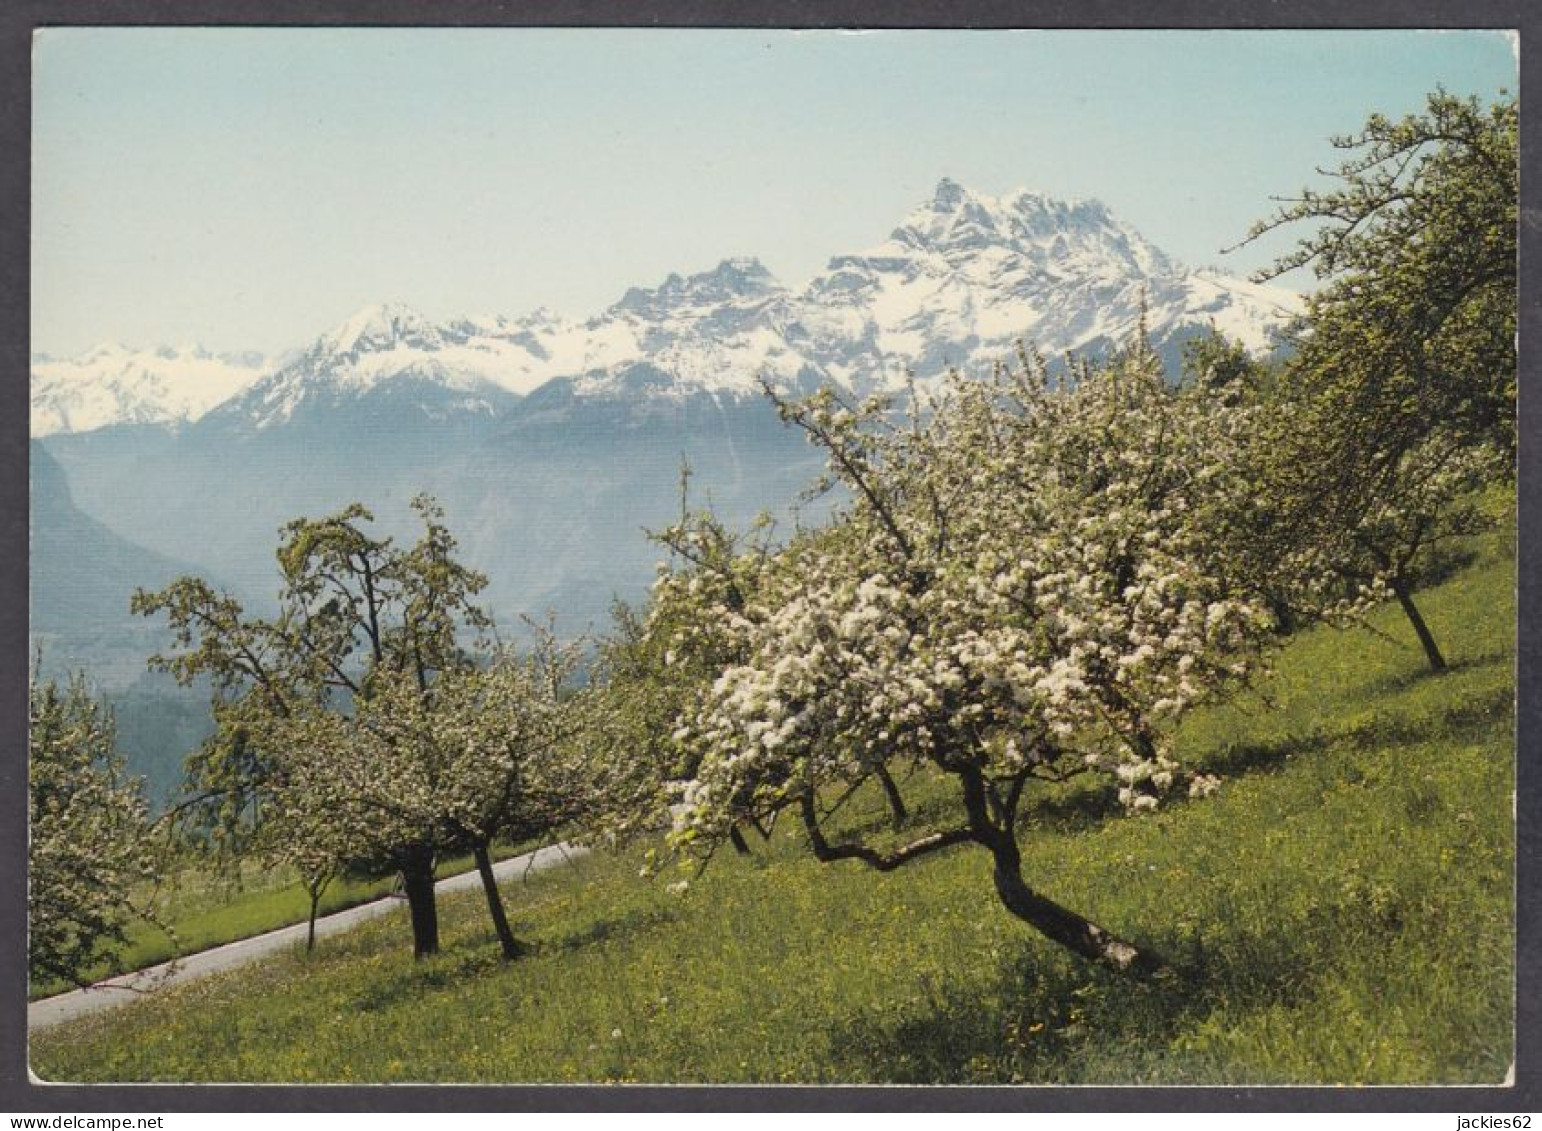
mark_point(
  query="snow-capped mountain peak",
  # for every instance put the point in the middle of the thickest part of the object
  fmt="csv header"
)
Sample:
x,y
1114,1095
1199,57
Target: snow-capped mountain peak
x,y
384,361
959,225
379,327
966,275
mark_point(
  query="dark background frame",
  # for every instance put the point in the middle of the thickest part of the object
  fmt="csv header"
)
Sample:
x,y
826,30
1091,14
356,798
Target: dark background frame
x,y
19,18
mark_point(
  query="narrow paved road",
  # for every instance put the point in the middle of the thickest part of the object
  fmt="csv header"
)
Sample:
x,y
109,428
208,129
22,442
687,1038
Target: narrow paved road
x,y
129,987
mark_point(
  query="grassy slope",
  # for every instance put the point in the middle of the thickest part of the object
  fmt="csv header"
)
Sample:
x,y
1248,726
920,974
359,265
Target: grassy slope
x,y
204,910
1341,911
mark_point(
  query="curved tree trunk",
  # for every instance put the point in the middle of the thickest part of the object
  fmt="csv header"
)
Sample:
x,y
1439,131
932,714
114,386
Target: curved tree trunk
x,y
418,884
1054,922
1066,927
1426,638
512,947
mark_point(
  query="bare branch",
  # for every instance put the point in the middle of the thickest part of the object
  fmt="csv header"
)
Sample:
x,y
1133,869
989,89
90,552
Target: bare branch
x,y
827,853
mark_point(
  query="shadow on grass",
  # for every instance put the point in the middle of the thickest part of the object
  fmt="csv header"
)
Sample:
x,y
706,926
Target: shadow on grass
x,y
1444,564
1458,721
1070,810
636,921
930,803
480,956
445,970
1044,1017
1423,674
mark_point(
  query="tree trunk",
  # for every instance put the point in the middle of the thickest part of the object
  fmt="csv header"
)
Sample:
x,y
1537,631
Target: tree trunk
x,y
891,791
1063,926
737,838
418,883
310,923
1044,915
1285,620
511,945
1422,630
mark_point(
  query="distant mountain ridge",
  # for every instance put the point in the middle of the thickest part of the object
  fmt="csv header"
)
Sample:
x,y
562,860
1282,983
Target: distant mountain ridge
x,y
554,444
958,282
112,385
76,560
83,576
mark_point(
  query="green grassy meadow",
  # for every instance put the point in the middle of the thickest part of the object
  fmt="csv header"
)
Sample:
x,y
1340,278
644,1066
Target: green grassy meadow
x,y
1341,911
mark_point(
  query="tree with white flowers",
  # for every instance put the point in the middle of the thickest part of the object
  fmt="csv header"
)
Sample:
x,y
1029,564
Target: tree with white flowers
x,y
90,852
1030,583
518,760
357,728
657,666
1438,495
484,752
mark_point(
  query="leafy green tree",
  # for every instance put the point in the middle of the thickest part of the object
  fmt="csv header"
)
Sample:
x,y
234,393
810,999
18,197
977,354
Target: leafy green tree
x,y
1414,329
1398,406
359,620
91,854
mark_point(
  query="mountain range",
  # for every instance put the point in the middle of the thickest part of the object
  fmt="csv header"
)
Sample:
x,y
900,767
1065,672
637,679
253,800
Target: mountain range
x,y
959,282
554,443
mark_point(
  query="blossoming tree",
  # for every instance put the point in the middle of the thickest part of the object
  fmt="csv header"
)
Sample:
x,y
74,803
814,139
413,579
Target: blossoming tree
x,y
481,752
90,854
658,666
354,728
1027,585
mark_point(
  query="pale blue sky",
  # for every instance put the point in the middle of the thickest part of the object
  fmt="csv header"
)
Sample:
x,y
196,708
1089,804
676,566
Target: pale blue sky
x,y
248,188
